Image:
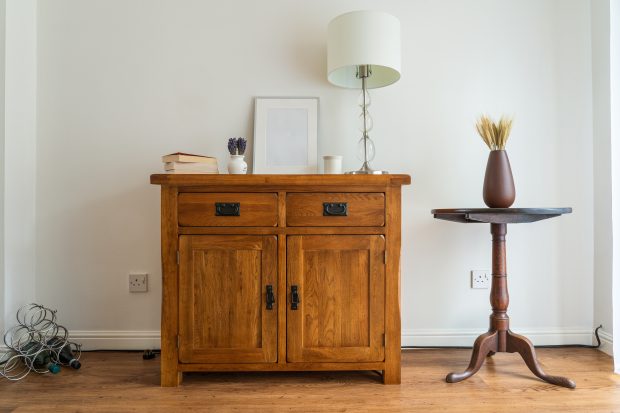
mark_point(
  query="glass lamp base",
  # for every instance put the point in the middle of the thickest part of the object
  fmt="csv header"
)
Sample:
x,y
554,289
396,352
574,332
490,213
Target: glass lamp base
x,y
366,170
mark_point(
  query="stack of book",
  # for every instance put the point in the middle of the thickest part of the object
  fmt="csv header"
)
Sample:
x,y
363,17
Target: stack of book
x,y
186,163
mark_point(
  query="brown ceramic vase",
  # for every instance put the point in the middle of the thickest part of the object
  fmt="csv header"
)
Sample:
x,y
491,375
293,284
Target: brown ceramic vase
x,y
499,188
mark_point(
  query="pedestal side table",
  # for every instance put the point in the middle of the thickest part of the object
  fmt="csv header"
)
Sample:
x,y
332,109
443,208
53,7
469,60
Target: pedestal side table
x,y
499,338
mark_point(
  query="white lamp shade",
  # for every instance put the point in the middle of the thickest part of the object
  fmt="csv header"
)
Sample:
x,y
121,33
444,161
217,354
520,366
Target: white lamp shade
x,y
363,38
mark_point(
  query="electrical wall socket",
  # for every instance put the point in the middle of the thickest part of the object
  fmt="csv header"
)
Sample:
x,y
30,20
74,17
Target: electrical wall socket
x,y
138,283
480,279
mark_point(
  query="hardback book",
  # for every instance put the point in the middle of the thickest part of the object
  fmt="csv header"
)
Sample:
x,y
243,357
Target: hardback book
x,y
191,172
196,167
188,157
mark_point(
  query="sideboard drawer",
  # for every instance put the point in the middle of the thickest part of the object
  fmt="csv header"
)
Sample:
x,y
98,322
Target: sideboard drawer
x,y
335,209
228,209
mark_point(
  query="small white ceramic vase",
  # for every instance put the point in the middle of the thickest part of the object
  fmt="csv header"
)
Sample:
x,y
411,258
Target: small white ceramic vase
x,y
236,165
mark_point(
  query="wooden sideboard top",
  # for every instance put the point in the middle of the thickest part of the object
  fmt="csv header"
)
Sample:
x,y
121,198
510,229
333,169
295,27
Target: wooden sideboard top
x,y
232,180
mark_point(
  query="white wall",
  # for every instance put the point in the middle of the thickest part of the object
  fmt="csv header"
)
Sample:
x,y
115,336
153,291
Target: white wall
x,y
121,83
603,240
2,78
530,59
19,157
614,69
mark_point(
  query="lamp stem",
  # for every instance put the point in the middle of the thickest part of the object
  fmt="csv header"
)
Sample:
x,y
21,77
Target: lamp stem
x,y
365,113
363,72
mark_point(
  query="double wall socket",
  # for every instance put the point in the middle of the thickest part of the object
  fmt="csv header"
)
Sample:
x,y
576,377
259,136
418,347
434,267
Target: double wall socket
x,y
138,283
480,279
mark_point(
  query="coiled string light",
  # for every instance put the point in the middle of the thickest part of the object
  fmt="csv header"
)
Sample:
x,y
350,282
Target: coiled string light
x,y
36,343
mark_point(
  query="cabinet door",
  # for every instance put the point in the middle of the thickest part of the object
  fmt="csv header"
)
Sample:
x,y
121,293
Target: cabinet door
x,y
340,282
223,308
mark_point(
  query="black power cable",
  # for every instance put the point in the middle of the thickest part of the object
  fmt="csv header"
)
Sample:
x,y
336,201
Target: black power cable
x,y
598,341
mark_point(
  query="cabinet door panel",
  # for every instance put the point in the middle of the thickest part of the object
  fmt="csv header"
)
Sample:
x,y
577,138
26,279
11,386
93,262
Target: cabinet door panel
x,y
222,299
340,280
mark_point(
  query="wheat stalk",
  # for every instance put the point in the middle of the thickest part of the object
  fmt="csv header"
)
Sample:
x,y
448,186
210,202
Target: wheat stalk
x,y
495,135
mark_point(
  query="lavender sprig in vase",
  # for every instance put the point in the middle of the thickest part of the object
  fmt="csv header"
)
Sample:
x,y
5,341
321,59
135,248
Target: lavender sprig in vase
x,y
236,148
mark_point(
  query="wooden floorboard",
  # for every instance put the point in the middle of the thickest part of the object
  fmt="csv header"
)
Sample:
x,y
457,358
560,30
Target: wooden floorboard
x,y
123,382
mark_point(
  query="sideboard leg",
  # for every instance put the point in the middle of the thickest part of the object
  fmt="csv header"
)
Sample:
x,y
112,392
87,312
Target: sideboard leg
x,y
392,320
170,376
391,375
171,379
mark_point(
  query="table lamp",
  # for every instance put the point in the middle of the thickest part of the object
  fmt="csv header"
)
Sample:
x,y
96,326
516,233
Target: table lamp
x,y
363,51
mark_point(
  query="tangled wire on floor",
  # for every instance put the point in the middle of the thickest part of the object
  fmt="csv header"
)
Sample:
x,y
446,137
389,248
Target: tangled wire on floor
x,y
37,343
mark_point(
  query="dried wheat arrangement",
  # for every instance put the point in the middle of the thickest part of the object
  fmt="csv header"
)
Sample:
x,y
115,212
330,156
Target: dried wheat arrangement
x,y
495,135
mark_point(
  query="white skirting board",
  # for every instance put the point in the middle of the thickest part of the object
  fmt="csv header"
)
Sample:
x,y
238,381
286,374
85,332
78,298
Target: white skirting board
x,y
116,340
141,340
458,338
607,342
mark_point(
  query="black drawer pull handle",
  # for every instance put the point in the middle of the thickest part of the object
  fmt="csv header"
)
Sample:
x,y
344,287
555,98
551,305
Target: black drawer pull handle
x,y
294,297
335,209
271,299
227,209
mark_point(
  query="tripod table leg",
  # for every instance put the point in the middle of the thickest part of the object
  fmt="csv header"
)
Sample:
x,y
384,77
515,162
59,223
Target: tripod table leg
x,y
484,344
523,346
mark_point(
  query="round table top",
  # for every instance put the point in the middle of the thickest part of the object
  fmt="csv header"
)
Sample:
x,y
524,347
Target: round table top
x,y
499,215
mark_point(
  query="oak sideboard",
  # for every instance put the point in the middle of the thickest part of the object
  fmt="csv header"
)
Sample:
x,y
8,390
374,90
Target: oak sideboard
x,y
280,273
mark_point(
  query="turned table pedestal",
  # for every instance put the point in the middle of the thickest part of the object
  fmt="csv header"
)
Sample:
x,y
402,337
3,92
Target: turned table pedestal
x,y
499,338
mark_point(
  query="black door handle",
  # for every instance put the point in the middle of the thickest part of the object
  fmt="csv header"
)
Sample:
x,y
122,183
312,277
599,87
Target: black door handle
x,y
271,299
294,297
